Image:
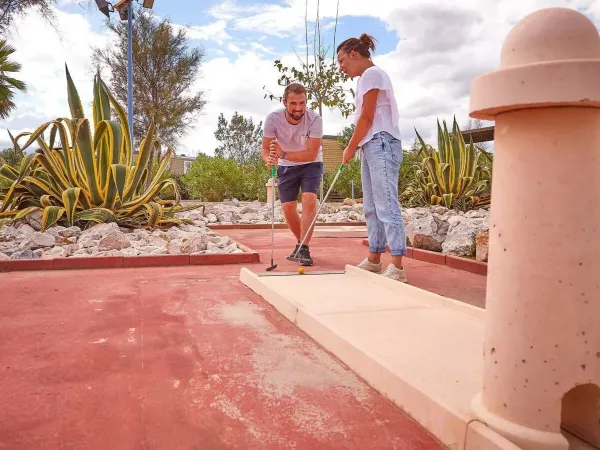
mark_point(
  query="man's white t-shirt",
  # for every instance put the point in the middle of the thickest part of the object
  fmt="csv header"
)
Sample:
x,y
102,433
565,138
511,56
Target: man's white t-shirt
x,y
386,112
292,138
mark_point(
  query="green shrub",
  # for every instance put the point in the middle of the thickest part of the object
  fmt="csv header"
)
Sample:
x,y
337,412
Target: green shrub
x,y
343,185
213,178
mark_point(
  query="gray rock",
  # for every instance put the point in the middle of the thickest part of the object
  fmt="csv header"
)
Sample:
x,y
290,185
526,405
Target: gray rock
x,y
34,219
115,240
4,257
57,252
427,232
70,232
482,246
26,229
460,240
24,254
98,231
174,247
194,244
37,240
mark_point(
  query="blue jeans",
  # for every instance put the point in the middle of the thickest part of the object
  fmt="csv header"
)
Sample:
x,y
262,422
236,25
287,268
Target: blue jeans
x,y
381,160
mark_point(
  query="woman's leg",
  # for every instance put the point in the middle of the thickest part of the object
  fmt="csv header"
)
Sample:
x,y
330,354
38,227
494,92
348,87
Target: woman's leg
x,y
384,170
375,228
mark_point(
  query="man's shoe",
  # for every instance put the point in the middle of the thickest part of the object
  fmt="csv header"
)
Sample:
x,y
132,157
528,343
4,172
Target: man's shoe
x,y
394,273
304,256
294,252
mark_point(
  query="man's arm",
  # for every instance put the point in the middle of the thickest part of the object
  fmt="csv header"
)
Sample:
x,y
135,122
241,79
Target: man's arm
x,y
313,143
310,154
269,134
265,150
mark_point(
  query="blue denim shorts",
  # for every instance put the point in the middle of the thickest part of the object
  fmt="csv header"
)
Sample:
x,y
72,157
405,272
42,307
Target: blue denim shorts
x,y
290,179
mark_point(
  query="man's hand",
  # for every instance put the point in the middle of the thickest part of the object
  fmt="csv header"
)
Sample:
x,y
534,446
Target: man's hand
x,y
348,155
276,148
273,160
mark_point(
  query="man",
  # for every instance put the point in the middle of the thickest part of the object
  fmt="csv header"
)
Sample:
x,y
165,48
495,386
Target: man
x,y
292,141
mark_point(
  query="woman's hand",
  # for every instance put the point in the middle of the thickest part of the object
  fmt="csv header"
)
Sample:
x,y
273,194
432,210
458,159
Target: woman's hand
x,y
348,155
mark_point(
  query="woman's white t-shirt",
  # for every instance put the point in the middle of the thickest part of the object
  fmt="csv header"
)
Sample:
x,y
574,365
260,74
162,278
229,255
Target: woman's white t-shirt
x,y
386,111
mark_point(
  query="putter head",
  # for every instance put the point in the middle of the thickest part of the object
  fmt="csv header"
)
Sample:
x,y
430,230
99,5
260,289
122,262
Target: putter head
x,y
271,267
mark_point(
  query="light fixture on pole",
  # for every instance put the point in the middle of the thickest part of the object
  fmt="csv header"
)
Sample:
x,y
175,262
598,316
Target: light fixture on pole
x,y
125,10
104,7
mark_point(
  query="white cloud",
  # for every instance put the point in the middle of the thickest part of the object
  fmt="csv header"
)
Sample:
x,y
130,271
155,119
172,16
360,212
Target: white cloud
x,y
215,31
439,51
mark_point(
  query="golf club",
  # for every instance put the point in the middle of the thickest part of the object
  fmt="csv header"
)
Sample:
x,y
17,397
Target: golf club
x,y
272,266
295,257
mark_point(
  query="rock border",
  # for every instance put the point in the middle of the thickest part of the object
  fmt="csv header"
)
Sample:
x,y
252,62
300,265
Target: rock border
x,y
278,226
117,262
454,262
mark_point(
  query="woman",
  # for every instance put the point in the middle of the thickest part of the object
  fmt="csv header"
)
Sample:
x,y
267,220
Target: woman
x,y
377,133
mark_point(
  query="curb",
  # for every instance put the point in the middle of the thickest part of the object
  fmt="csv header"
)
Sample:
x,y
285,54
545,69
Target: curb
x,y
116,262
278,226
455,262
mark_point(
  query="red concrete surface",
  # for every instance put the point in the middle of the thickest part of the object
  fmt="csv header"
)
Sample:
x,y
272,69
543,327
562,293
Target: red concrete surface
x,y
176,358
334,253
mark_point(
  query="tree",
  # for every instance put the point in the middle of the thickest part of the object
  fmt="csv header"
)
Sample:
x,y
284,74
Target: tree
x,y
11,156
8,84
322,78
240,139
164,72
345,136
10,9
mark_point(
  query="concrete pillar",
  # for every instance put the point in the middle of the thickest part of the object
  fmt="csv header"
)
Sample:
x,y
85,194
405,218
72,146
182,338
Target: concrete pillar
x,y
270,185
542,337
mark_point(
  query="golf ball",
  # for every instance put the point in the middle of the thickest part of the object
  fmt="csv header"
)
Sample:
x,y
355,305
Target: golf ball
x,y
301,270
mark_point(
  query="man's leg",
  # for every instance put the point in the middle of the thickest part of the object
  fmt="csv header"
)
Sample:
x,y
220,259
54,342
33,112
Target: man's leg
x,y
288,183
309,209
310,182
292,218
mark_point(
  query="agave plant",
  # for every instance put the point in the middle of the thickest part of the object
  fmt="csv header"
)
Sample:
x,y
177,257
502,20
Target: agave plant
x,y
94,179
452,175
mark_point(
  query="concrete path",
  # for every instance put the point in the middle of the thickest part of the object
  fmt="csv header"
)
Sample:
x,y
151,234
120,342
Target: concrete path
x,y
335,253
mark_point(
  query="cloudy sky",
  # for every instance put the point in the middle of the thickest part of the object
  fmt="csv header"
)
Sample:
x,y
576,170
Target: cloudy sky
x,y
431,49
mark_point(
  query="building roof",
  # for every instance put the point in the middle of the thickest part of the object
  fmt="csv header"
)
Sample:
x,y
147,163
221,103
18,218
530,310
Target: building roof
x,y
485,134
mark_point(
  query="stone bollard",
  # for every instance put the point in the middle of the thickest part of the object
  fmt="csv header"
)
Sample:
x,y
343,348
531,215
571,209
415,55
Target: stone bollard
x,y
542,336
270,190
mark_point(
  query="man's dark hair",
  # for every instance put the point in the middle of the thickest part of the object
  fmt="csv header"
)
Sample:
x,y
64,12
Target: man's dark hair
x,y
296,88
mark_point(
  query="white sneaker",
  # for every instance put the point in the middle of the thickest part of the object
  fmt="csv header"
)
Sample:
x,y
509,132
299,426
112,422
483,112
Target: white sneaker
x,y
367,265
395,274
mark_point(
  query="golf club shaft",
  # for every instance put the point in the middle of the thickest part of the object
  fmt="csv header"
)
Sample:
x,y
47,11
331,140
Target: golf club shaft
x,y
272,212
319,209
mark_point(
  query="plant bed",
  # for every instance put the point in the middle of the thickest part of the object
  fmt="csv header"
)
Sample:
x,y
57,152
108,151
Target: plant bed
x,y
114,262
110,246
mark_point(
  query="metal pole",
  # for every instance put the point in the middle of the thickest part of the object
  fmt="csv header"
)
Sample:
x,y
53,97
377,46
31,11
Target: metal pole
x,y
130,70
352,189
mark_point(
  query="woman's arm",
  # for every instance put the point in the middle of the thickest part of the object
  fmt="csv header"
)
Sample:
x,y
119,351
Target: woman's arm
x,y
363,124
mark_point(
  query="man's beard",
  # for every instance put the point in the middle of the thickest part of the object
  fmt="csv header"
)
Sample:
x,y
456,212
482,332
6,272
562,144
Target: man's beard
x,y
296,115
